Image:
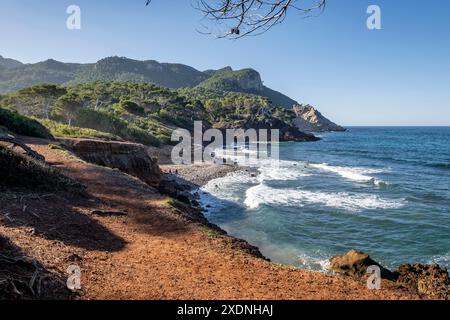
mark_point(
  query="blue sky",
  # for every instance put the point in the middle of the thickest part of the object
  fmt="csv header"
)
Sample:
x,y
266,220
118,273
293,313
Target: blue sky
x,y
399,75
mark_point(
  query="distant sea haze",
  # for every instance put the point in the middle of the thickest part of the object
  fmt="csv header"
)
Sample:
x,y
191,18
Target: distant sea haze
x,y
382,190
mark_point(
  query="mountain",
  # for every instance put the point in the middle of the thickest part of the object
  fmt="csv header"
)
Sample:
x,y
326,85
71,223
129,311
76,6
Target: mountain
x,y
15,76
25,75
9,63
244,81
170,75
309,119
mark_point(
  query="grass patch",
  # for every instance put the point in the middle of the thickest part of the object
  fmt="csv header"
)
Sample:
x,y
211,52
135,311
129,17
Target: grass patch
x,y
63,152
211,232
172,203
59,129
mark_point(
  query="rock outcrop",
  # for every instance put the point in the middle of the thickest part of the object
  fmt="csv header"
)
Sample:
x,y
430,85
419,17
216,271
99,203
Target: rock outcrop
x,y
355,263
309,119
431,281
293,134
130,158
287,132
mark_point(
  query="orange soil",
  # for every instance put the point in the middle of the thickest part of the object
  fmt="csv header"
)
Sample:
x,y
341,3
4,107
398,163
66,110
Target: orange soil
x,y
152,253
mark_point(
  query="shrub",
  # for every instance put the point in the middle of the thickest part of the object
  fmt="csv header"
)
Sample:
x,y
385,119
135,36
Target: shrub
x,y
58,129
106,122
131,107
20,124
139,135
172,118
99,120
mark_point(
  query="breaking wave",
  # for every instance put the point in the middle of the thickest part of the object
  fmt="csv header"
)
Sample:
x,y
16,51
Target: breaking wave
x,y
352,173
263,194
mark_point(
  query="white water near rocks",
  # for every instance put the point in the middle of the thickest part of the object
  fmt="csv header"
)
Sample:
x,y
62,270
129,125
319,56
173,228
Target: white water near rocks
x,y
329,197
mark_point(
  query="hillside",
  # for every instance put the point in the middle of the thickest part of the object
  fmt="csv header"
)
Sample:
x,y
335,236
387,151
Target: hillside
x,y
9,63
168,75
245,81
243,84
143,113
49,71
15,76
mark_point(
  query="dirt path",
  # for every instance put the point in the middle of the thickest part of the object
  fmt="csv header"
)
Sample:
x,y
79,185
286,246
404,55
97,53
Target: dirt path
x,y
152,252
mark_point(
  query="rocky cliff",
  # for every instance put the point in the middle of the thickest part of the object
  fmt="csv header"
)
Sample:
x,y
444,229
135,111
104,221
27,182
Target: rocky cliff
x,y
309,119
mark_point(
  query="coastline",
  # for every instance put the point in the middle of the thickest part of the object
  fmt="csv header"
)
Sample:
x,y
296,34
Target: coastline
x,y
200,174
434,279
192,178
157,248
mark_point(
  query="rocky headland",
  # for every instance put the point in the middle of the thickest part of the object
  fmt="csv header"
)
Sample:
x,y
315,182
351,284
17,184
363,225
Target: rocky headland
x,y
309,119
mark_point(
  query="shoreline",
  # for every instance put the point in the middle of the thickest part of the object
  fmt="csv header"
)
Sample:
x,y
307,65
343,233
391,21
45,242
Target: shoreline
x,y
194,177
201,174
147,245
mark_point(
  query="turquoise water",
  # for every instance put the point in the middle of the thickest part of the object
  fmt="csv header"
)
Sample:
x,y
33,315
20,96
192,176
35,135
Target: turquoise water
x,y
385,191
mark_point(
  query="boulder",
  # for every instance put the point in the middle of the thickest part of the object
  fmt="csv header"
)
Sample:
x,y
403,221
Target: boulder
x,y
176,190
131,158
355,263
430,280
290,133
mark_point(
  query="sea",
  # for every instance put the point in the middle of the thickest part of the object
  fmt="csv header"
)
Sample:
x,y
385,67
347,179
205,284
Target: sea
x,y
381,190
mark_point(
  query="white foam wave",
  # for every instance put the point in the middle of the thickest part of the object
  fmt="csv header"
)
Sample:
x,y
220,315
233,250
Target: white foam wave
x,y
263,194
306,261
226,188
293,255
352,173
282,171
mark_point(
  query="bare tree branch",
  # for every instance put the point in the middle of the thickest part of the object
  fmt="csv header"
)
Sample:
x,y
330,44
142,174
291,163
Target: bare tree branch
x,y
239,18
16,143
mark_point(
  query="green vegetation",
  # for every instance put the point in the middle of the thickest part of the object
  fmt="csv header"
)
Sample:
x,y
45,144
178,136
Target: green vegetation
x,y
18,76
228,80
108,122
140,112
244,81
22,172
212,233
20,124
15,76
58,129
64,152
238,110
36,101
131,107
